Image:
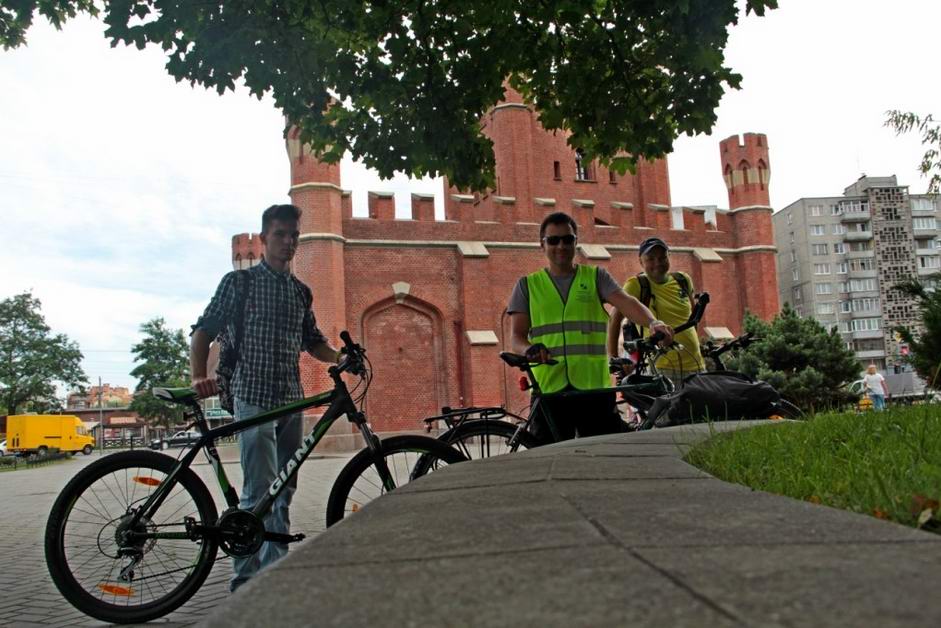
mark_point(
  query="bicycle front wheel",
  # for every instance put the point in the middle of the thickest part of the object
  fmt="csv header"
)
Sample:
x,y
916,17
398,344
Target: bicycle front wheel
x,y
361,481
105,575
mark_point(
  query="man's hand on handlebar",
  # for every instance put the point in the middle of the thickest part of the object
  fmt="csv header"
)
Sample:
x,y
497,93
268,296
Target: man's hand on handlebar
x,y
204,386
538,353
665,330
621,367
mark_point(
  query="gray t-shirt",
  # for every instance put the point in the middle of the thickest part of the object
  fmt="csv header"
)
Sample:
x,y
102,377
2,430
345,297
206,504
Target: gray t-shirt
x,y
519,299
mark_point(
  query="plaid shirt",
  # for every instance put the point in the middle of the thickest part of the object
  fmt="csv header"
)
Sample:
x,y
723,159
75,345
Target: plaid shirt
x,y
277,326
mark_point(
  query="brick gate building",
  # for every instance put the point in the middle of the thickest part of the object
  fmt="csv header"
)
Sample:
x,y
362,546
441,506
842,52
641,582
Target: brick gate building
x,y
427,297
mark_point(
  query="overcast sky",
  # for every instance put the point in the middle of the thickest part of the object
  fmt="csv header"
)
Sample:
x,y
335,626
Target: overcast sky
x,y
120,189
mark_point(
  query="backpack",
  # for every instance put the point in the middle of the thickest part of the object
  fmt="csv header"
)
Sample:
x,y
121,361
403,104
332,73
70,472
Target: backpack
x,y
646,295
714,396
229,347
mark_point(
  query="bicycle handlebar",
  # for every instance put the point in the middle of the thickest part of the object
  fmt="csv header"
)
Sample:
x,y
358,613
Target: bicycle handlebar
x,y
649,344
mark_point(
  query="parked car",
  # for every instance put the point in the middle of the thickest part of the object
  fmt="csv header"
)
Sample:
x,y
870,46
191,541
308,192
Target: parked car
x,y
3,448
180,439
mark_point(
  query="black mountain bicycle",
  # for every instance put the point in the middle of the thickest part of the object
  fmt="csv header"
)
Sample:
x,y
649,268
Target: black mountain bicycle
x,y
134,535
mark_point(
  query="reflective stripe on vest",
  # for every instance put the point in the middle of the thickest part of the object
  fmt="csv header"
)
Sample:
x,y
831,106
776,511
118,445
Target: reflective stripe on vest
x,y
575,331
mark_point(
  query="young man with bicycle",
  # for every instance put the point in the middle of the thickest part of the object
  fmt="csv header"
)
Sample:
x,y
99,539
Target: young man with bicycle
x,y
272,310
669,296
558,313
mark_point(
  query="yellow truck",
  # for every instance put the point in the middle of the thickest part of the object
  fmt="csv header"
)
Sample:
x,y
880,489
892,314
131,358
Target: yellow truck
x,y
38,433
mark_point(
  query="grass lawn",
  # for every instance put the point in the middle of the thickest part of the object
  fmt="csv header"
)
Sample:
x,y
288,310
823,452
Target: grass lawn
x,y
884,464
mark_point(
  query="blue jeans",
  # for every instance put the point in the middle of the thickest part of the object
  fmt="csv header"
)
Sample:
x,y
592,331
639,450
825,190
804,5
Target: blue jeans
x,y
264,450
878,400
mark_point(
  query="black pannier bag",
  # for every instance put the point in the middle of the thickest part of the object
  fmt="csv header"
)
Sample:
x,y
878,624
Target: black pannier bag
x,y
715,396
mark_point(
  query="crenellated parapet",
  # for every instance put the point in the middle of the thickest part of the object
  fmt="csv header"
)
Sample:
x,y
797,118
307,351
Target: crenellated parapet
x,y
247,250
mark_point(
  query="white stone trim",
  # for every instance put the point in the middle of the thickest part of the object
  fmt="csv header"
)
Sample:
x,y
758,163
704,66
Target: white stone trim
x,y
482,337
315,185
472,249
583,202
657,207
504,200
545,202
749,208
400,290
594,251
307,237
511,105
422,196
704,254
381,194
622,205
463,198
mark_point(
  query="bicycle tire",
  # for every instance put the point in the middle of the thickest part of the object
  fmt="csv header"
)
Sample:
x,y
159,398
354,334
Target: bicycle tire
x,y
96,491
461,437
787,410
409,447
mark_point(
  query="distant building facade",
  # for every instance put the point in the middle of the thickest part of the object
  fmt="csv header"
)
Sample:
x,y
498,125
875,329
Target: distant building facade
x,y
840,256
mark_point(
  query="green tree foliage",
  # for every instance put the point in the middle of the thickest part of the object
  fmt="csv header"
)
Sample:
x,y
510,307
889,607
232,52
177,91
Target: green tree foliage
x,y
163,355
33,359
807,364
924,345
930,166
413,77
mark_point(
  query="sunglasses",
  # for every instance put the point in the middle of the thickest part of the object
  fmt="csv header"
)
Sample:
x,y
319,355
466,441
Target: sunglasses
x,y
555,240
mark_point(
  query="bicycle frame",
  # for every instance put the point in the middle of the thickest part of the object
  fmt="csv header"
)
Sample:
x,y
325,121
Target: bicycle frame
x,y
340,403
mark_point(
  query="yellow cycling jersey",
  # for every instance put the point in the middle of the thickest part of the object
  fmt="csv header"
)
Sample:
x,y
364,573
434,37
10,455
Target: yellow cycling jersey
x,y
670,305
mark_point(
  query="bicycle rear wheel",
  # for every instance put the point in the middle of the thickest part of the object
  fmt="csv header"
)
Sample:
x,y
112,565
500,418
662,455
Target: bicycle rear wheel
x,y
787,410
360,481
486,439
128,581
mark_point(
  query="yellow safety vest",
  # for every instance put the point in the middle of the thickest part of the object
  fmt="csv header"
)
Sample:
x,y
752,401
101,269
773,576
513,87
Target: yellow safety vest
x,y
574,330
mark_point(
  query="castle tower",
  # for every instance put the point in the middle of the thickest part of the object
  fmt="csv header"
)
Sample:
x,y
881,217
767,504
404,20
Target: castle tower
x,y
747,172
319,261
511,129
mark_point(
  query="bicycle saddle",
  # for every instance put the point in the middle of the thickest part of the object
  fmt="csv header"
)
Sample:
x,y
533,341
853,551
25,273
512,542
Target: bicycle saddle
x,y
174,395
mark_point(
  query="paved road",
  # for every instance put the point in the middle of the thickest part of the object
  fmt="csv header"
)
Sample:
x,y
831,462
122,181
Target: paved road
x,y
27,595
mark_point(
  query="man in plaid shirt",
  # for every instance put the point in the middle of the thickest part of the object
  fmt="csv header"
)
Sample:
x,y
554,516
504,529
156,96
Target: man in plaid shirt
x,y
278,324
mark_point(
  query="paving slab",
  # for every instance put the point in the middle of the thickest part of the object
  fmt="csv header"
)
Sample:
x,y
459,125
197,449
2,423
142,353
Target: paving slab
x,y
586,534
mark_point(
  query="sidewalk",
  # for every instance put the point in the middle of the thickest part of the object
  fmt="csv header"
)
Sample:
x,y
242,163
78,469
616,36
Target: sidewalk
x,y
608,531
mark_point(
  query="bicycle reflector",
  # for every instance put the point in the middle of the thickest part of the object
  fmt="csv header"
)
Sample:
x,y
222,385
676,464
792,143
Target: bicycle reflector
x,y
524,383
146,481
113,589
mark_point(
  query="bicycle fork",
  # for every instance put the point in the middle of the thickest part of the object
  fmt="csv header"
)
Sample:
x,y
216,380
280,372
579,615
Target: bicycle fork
x,y
375,447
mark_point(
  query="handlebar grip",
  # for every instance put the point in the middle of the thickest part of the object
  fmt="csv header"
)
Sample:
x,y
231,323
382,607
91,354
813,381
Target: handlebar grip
x,y
655,338
345,337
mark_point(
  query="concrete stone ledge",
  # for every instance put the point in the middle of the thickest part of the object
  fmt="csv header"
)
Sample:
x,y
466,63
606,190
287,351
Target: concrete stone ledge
x,y
607,531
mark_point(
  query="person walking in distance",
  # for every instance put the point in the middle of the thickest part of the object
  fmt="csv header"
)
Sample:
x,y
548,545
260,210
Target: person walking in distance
x,y
876,387
558,313
276,322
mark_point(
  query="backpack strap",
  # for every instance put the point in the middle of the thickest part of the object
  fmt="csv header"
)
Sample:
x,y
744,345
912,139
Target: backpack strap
x,y
683,282
645,294
242,304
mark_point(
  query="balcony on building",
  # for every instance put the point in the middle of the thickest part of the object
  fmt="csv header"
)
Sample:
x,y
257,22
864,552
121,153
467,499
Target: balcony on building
x,y
854,211
928,271
864,313
871,354
861,274
864,334
857,236
860,254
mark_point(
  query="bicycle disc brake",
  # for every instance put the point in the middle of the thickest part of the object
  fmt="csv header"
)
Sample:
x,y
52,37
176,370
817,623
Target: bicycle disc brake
x,y
241,533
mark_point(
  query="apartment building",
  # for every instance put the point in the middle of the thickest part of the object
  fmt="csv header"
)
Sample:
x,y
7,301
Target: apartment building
x,y
839,258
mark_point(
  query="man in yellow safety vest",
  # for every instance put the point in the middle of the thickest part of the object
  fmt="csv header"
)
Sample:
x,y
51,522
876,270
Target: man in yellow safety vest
x,y
558,312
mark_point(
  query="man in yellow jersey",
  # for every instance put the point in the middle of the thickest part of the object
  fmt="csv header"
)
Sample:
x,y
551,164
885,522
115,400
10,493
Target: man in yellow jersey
x,y
669,296
558,312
